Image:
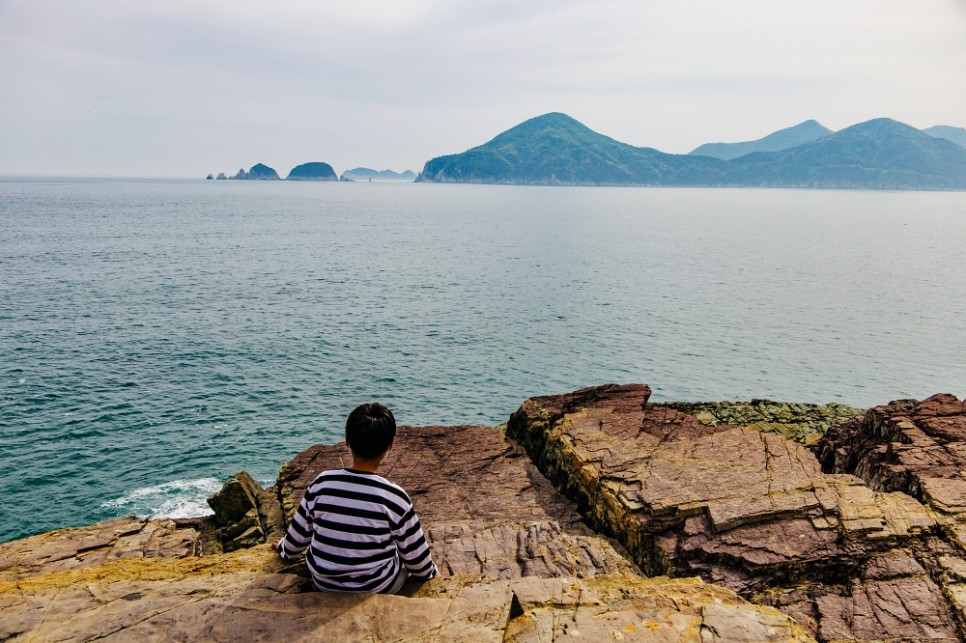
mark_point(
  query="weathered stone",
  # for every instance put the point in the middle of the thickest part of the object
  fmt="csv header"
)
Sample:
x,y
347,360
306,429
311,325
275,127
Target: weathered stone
x,y
244,596
238,512
507,551
485,508
751,511
237,498
634,609
736,504
71,549
918,448
270,514
900,609
517,563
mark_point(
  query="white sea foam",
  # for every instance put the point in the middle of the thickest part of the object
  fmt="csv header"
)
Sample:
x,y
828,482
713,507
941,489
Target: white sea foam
x,y
175,499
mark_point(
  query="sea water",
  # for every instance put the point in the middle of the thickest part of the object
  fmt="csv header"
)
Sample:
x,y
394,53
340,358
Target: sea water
x,y
158,336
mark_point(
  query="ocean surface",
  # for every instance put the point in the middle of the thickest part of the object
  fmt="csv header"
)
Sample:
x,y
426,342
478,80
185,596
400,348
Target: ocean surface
x,y
158,336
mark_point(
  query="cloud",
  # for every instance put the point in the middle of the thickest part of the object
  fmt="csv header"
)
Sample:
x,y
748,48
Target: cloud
x,y
389,83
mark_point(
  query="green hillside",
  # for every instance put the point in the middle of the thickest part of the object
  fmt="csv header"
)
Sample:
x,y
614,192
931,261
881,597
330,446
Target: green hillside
x,y
774,142
955,134
314,171
555,149
878,154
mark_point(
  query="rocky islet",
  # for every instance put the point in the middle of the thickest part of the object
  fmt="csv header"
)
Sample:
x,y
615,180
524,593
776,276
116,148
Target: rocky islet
x,y
595,515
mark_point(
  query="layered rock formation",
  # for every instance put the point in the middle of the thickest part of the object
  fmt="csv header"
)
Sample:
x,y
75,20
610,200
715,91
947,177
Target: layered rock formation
x,y
750,511
917,448
517,564
557,545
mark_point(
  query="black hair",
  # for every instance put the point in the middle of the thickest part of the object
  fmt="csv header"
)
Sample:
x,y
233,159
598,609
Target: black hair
x,y
370,430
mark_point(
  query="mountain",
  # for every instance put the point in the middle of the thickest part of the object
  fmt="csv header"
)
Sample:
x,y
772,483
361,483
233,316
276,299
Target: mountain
x,y
315,171
366,174
774,142
556,149
955,134
878,154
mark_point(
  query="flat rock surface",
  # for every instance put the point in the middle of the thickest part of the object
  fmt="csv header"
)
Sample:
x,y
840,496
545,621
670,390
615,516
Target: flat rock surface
x,y
245,596
484,507
517,564
83,547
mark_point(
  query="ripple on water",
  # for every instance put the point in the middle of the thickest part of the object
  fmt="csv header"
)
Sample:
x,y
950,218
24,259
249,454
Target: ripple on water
x,y
157,337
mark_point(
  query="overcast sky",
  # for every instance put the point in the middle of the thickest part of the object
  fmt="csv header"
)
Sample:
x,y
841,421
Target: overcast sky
x,y
174,89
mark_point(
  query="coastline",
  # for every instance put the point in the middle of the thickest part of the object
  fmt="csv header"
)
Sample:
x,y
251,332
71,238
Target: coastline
x,y
691,507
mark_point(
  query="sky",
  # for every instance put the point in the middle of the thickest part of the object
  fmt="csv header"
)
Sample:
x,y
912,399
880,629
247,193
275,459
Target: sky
x,y
116,88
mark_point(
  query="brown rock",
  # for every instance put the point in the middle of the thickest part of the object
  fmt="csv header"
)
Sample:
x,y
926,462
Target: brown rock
x,y
237,498
244,595
84,547
517,564
915,447
749,510
245,514
485,508
918,448
685,495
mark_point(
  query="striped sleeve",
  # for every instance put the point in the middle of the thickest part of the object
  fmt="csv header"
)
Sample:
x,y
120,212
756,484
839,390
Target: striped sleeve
x,y
412,546
299,533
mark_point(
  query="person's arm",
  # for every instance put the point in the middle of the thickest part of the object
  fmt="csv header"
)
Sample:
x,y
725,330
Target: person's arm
x,y
299,534
412,546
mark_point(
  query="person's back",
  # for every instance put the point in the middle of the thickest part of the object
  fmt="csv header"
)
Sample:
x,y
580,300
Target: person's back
x,y
360,529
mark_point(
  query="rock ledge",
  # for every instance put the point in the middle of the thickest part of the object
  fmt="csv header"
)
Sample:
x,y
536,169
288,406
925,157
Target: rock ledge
x,y
594,515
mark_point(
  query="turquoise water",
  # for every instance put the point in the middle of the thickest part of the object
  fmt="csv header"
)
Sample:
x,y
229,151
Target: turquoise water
x,y
156,337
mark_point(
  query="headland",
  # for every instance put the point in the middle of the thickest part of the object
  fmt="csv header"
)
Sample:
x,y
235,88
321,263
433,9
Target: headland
x,y
592,515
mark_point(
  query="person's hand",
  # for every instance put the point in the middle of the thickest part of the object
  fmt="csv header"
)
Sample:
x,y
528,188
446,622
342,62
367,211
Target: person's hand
x,y
275,544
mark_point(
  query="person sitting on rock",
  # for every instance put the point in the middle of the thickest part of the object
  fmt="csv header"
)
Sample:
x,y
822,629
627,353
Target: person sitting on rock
x,y
360,529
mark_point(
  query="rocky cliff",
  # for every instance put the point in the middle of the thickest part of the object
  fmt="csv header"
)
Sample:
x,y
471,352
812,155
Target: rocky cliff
x,y
595,515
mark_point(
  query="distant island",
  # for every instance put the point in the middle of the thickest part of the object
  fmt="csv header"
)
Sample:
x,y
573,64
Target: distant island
x,y
368,174
774,142
555,149
955,134
314,171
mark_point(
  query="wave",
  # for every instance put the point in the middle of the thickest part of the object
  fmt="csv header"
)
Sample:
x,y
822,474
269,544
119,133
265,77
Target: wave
x,y
175,499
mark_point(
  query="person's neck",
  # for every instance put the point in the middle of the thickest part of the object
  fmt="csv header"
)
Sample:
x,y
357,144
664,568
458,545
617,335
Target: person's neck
x,y
369,466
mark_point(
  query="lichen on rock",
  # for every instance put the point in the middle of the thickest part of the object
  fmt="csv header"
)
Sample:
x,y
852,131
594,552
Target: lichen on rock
x,y
802,423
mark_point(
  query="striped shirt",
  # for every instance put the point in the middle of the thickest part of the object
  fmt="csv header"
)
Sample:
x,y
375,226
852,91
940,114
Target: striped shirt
x,y
359,529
